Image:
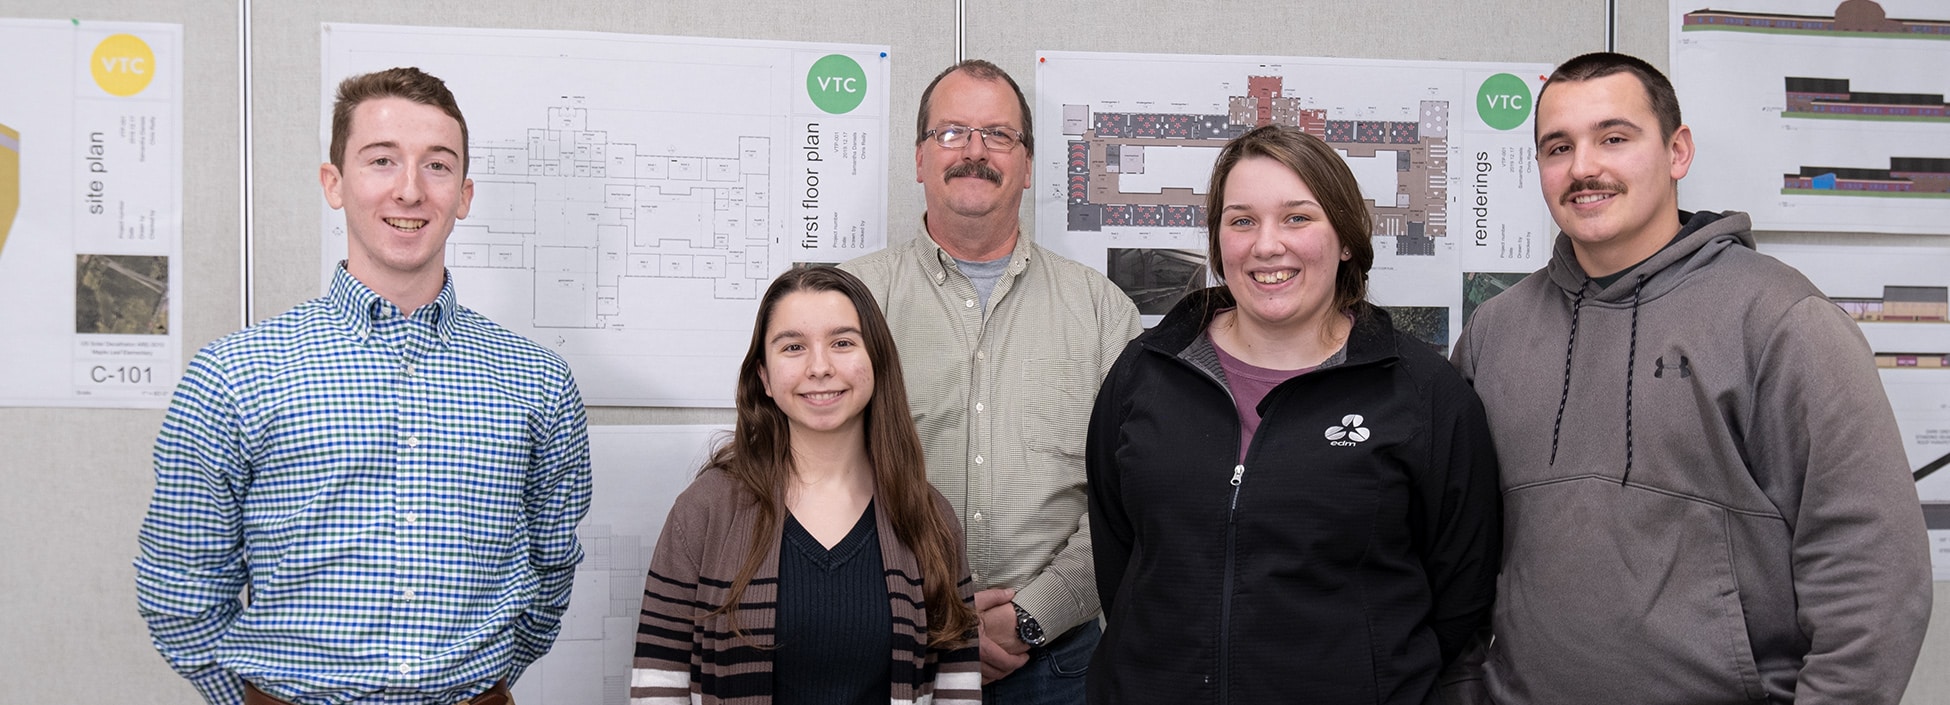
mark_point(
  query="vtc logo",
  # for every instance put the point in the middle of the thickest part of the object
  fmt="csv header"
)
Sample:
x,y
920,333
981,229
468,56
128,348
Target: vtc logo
x,y
1503,101
836,84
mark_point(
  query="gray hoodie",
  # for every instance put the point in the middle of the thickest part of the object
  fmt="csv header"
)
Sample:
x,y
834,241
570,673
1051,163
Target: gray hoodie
x,y
1705,496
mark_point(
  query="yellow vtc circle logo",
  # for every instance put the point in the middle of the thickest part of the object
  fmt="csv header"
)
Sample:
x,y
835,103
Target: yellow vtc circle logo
x,y
123,65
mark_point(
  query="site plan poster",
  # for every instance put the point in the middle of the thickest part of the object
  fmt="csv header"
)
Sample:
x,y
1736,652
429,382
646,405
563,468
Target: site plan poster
x,y
634,195
91,237
1817,115
1443,152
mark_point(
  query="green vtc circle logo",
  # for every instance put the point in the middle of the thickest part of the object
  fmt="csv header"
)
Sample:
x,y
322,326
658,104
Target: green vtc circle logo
x,y
836,84
1503,101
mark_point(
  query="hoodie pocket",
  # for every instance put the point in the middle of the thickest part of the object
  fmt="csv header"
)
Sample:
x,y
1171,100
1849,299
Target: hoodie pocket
x,y
1734,622
1607,587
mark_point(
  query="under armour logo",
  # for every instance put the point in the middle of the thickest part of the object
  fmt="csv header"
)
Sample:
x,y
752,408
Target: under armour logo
x,y
1348,433
1685,367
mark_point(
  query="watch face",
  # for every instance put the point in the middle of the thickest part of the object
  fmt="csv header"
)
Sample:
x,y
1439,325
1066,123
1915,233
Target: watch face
x,y
1028,629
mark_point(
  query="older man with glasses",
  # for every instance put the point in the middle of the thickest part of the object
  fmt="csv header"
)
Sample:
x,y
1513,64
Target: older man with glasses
x,y
1003,344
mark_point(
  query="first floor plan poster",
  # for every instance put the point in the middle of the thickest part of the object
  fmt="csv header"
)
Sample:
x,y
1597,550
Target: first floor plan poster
x,y
91,200
634,195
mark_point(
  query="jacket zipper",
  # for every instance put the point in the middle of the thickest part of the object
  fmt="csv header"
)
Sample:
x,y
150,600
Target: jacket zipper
x,y
1232,531
1232,517
1225,603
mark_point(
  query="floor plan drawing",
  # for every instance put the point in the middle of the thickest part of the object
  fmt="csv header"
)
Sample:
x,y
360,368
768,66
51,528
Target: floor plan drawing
x,y
1105,146
634,195
583,213
1441,150
637,472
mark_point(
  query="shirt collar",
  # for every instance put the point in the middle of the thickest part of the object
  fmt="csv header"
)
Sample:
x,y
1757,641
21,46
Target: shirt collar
x,y
358,306
936,261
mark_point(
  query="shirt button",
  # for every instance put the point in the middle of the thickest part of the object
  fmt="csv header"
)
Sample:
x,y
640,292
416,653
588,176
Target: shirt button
x,y
407,368
412,517
969,303
978,460
978,407
409,594
404,668
978,516
412,441
981,355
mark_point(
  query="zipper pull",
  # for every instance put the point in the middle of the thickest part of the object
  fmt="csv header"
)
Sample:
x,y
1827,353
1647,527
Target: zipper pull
x,y
1238,471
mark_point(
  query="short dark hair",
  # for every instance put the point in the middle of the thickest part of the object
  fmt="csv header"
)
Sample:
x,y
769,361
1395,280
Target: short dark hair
x,y
1325,173
986,71
408,83
1658,90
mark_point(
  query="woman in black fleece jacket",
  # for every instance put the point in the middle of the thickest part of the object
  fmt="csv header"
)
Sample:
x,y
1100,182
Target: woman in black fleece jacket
x,y
1289,499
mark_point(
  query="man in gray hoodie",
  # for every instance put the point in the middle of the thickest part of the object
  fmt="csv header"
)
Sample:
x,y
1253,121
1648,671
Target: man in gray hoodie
x,y
1711,503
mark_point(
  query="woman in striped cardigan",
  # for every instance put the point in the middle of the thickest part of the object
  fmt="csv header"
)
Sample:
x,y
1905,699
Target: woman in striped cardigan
x,y
761,590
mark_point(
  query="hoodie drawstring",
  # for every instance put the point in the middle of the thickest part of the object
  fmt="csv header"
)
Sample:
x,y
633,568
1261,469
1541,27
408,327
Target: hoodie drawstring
x,y
1631,362
1570,346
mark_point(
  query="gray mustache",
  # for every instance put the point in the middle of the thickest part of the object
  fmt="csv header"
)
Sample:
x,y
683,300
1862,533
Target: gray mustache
x,y
975,169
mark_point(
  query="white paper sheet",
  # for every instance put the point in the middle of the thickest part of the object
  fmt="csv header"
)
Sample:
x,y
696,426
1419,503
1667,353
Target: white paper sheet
x,y
634,195
91,236
639,471
1765,105
1126,144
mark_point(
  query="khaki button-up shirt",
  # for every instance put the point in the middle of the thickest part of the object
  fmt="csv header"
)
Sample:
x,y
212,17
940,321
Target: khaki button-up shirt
x,y
1001,396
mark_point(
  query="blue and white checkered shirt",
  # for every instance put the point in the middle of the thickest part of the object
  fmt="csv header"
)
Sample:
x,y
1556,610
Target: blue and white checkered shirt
x,y
400,491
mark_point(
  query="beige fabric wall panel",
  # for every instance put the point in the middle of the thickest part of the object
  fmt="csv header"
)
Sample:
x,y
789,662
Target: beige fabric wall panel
x,y
79,479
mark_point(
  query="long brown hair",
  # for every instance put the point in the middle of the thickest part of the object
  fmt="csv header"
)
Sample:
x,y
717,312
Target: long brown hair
x,y
1328,176
759,455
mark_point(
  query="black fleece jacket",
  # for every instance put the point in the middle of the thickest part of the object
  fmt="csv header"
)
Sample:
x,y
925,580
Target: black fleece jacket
x,y
1347,560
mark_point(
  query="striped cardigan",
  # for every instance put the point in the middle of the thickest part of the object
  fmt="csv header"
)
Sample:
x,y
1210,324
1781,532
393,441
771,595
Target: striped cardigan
x,y
683,656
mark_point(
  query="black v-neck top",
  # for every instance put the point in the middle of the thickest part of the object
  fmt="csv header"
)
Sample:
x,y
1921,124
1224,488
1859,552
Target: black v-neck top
x,y
835,628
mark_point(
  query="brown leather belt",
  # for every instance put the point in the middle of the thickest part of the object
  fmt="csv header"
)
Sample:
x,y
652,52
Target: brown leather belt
x,y
497,695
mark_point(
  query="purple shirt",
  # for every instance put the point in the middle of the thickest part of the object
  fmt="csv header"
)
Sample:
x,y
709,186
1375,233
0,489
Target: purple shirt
x,y
1249,385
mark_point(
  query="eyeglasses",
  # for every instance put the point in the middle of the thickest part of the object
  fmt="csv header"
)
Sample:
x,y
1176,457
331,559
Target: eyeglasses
x,y
1001,139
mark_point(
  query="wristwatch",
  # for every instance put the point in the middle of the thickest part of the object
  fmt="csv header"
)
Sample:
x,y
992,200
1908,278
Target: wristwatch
x,y
1028,629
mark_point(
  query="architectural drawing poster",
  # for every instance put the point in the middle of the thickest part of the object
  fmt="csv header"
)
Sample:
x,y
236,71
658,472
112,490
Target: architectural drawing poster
x,y
1900,296
634,195
91,237
1443,152
1817,115
638,473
